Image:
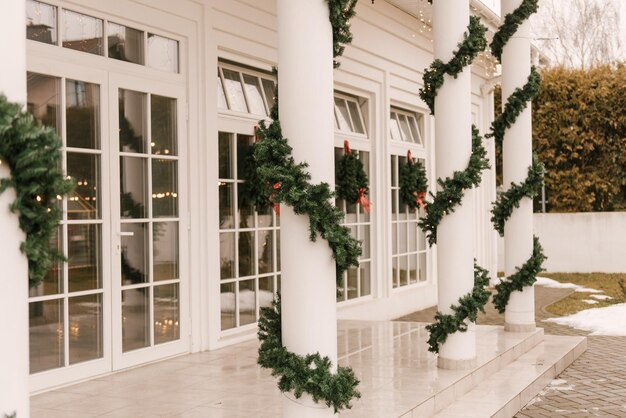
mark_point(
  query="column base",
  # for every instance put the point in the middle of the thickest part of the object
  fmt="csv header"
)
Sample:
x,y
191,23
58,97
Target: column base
x,y
519,327
304,407
454,364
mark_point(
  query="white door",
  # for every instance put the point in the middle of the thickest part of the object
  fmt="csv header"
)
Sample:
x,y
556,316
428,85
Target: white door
x,y
148,218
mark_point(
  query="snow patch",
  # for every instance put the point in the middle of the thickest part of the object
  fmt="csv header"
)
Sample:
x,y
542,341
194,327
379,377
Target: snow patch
x,y
557,382
609,321
590,301
544,281
601,297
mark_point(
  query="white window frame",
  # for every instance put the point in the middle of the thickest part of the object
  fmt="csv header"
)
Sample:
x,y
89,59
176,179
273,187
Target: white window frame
x,y
358,102
418,126
221,66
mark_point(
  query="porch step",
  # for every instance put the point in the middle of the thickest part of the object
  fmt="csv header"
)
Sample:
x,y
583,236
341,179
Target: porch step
x,y
504,393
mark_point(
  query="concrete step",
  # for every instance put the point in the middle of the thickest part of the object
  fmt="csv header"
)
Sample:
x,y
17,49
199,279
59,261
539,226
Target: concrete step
x,y
506,392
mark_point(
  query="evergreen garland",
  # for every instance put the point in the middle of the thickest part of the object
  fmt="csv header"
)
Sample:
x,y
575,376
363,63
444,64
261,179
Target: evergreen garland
x,y
352,182
32,153
515,105
288,182
341,11
512,22
413,183
523,277
453,189
473,42
467,310
303,374
509,200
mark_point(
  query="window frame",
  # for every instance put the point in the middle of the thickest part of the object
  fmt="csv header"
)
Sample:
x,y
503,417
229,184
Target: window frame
x,y
241,71
419,126
359,102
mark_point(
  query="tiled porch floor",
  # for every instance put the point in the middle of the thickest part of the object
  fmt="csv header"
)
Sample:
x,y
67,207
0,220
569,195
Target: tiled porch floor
x,y
390,359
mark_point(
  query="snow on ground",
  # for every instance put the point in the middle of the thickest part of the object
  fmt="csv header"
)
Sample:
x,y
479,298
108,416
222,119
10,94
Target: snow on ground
x,y
610,321
590,301
601,297
544,281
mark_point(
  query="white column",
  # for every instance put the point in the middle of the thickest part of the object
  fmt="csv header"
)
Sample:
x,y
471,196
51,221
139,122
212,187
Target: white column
x,y
517,157
455,235
305,79
14,277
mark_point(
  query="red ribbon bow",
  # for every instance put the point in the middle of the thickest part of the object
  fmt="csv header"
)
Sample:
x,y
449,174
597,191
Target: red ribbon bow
x,y
419,199
275,205
346,147
364,202
409,157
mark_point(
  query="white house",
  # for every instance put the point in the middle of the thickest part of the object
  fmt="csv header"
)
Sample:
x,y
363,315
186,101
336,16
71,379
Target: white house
x,y
156,102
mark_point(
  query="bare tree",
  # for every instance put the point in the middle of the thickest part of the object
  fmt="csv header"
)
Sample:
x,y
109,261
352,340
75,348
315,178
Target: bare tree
x,y
579,33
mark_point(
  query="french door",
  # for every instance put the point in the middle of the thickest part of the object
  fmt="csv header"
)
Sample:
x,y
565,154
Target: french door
x,y
121,299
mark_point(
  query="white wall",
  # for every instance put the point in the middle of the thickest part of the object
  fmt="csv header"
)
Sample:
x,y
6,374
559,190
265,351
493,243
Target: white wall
x,y
581,242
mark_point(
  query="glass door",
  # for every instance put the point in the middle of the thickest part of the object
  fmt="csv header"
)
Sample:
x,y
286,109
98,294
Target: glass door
x,y
149,275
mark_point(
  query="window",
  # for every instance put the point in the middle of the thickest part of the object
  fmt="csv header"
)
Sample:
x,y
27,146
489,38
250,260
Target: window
x,y
408,242
245,91
249,240
406,126
87,34
357,280
348,114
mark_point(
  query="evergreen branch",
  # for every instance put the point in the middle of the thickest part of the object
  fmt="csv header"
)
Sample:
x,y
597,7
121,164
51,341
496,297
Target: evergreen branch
x,y
32,153
341,11
523,277
515,105
453,189
351,177
509,200
303,374
512,22
413,183
467,310
474,41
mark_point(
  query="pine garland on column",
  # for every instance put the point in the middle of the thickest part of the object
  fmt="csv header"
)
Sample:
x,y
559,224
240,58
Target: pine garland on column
x,y
508,201
452,189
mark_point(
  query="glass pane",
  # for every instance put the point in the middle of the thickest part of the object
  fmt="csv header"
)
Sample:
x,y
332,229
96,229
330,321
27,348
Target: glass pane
x,y
82,114
394,177
132,120
84,203
355,112
85,328
244,148
366,288
413,268
82,33
165,248
246,254
133,187
269,88
404,267
44,99
247,302
227,209
353,280
46,335
125,44
265,217
246,209
52,284
343,117
254,95
225,156
277,250
402,234
227,255
412,227
406,131
162,53
134,257
227,306
135,319
414,130
85,257
395,128
221,97
421,239
235,91
394,238
422,267
266,291
41,22
163,123
394,272
266,257
164,188
364,236
166,313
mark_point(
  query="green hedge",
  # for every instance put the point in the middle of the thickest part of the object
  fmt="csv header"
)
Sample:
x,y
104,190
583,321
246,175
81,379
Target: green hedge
x,y
579,133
